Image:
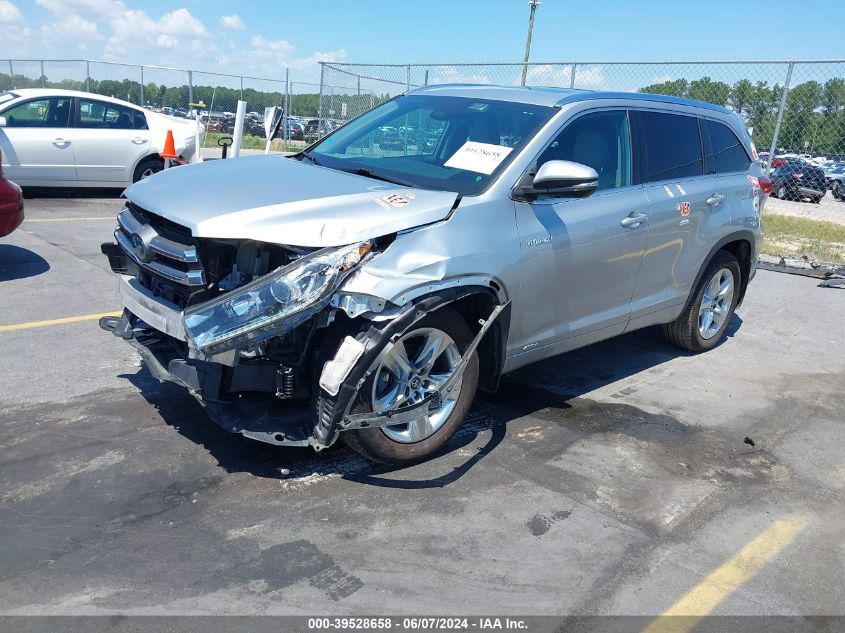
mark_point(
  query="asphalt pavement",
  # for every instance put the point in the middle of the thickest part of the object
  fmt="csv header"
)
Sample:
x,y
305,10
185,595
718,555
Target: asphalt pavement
x,y
624,478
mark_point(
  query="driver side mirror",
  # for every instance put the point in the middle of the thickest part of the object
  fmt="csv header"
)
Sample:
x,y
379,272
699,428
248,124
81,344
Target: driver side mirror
x,y
561,178
2,121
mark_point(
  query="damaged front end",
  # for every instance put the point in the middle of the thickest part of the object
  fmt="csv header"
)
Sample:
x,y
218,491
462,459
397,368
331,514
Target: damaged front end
x,y
251,329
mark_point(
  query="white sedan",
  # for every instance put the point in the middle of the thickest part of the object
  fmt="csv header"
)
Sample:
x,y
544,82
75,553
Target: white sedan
x,y
65,138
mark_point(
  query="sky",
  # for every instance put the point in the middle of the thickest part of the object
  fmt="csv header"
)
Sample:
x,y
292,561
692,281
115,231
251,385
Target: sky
x,y
263,37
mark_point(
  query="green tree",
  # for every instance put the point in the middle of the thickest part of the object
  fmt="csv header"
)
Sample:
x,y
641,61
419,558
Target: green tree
x,y
675,88
833,99
705,89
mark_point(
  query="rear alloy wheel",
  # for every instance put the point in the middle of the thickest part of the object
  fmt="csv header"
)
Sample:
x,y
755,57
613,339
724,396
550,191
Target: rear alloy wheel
x,y
417,364
705,318
147,168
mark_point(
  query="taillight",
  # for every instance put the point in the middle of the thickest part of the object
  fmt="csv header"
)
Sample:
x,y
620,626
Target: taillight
x,y
765,185
778,162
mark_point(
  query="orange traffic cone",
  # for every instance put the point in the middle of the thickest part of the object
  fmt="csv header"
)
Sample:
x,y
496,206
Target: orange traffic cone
x,y
169,152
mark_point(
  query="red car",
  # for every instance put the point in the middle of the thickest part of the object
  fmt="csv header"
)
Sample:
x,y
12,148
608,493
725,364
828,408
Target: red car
x,y
11,204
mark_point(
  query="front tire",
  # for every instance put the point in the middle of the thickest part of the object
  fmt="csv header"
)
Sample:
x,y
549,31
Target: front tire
x,y
705,319
423,357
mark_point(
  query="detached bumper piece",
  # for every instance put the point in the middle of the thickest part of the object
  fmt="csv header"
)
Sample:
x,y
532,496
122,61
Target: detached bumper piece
x,y
240,399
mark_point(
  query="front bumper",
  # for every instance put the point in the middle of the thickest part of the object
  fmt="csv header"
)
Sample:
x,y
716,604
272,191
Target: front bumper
x,y
239,399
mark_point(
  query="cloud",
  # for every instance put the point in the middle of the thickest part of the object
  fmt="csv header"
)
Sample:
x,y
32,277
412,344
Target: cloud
x,y
115,31
560,76
232,22
71,30
87,8
9,13
135,32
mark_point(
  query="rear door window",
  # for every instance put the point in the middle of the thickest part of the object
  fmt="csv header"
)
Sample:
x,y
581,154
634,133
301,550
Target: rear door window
x,y
109,116
670,146
726,153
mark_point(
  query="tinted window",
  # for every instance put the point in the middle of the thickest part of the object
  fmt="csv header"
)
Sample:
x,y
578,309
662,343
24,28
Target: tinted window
x,y
600,140
672,146
728,154
48,112
101,115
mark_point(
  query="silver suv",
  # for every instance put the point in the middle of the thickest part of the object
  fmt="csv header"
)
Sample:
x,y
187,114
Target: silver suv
x,y
365,287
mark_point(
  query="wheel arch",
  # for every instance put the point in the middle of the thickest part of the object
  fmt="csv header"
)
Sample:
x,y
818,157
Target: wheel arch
x,y
741,244
474,306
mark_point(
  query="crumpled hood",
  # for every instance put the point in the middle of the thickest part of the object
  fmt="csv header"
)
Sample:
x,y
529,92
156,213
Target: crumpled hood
x,y
276,199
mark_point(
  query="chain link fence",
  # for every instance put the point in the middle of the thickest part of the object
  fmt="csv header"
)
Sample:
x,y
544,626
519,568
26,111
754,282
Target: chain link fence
x,y
172,90
797,107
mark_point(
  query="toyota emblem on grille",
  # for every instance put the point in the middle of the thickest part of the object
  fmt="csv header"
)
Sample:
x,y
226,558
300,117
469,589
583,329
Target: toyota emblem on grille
x,y
139,246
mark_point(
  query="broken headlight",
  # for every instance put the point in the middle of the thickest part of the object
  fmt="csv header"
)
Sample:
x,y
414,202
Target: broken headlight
x,y
272,304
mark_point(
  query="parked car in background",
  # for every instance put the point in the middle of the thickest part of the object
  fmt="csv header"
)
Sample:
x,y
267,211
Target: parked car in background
x,y
834,174
796,179
364,295
11,204
315,127
296,131
65,138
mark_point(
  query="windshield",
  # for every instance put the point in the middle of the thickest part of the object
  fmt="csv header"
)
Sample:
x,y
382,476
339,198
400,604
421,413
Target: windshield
x,y
445,143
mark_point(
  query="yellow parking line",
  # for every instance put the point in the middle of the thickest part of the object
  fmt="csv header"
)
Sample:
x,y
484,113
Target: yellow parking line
x,y
62,321
728,577
110,217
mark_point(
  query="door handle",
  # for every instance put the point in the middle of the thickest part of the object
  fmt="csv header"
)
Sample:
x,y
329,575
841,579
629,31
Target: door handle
x,y
715,199
139,141
634,219
61,141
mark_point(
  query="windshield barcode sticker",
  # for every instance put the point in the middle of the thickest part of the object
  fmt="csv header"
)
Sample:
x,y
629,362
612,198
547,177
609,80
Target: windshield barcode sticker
x,y
482,158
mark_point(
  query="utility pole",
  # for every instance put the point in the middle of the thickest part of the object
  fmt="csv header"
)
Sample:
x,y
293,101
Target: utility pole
x,y
533,4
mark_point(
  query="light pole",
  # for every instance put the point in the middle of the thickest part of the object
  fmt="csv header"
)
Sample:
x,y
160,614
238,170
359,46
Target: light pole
x,y
533,4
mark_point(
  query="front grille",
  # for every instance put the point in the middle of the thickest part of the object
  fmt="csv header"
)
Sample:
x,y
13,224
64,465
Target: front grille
x,y
163,251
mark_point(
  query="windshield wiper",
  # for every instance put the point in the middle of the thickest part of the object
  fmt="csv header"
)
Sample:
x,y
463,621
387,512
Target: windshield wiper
x,y
363,171
311,158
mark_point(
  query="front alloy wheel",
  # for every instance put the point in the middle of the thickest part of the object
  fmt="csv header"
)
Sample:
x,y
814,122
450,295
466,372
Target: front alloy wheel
x,y
417,364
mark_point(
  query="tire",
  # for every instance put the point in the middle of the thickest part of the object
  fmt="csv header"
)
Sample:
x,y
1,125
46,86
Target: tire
x,y
147,167
399,444
688,331
816,199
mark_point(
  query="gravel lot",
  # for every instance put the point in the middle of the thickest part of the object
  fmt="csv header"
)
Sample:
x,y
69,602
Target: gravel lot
x,y
611,480
829,209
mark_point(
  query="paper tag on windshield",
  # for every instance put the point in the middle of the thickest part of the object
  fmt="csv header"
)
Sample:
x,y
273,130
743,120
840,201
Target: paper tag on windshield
x,y
482,158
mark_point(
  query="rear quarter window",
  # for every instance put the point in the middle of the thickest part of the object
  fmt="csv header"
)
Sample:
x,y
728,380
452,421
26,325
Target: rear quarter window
x,y
670,145
725,150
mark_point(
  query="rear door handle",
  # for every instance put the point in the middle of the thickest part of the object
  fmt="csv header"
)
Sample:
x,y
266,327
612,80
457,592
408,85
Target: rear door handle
x,y
61,141
139,141
634,219
715,199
